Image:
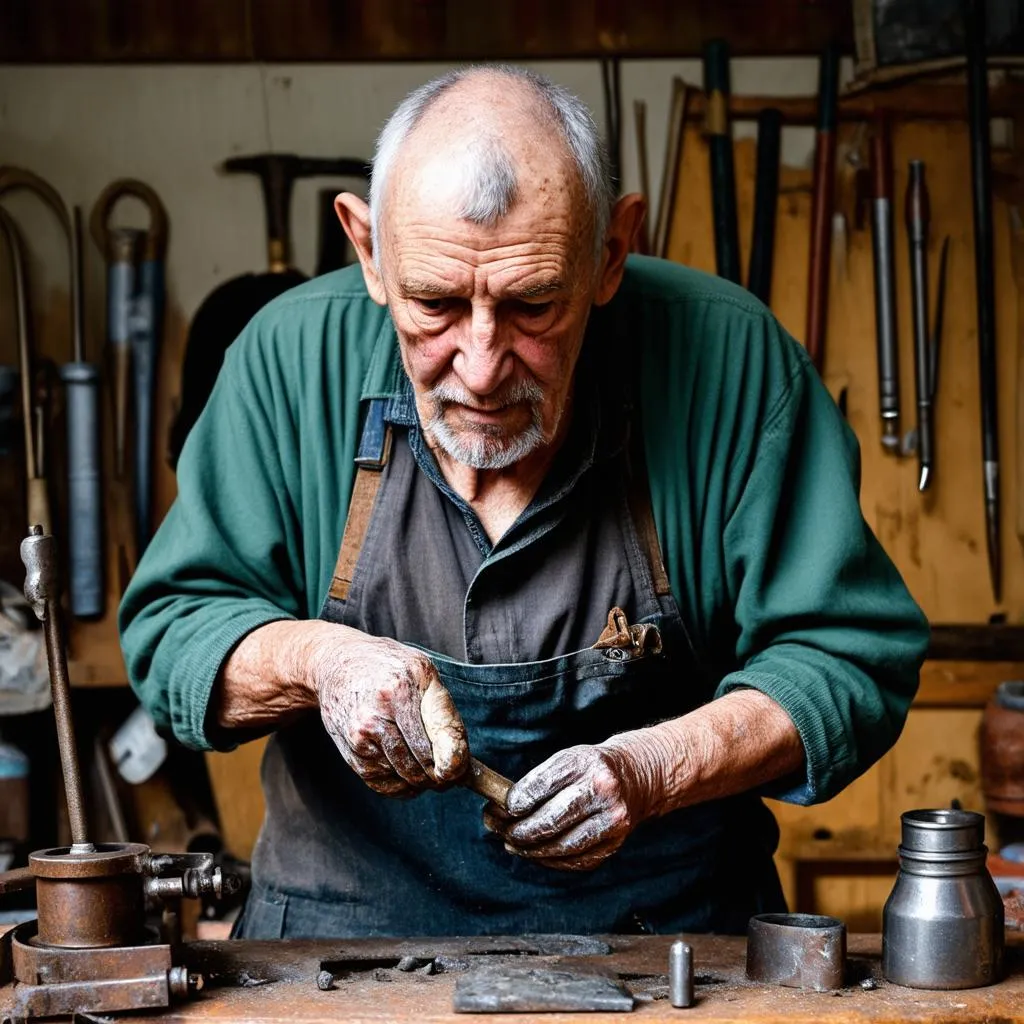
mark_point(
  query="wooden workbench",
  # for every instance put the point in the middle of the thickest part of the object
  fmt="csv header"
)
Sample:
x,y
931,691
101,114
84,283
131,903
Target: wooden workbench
x,y
278,984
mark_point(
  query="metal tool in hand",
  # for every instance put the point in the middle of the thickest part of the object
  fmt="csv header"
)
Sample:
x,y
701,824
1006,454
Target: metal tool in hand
x,y
81,382
926,344
135,313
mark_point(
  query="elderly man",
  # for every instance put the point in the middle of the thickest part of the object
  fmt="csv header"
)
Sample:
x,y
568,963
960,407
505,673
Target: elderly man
x,y
598,525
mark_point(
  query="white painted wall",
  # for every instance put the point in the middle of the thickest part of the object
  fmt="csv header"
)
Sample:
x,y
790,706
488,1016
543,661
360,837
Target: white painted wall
x,y
80,127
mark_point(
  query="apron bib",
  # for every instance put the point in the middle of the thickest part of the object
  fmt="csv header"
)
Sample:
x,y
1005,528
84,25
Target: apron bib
x,y
336,859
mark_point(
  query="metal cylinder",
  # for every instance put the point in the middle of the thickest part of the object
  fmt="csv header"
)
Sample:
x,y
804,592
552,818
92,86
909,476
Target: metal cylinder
x,y
797,951
680,975
90,901
942,926
85,490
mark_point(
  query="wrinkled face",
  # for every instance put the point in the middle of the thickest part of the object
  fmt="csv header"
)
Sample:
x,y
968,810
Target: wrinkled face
x,y
490,319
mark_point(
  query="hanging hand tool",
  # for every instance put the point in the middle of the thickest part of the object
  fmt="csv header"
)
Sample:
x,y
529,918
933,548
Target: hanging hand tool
x,y
223,314
135,295
1017,261
640,124
670,170
981,180
37,493
611,83
723,175
918,214
81,382
821,206
766,201
883,242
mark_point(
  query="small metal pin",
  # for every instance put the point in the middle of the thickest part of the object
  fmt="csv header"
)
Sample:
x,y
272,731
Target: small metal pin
x,y
680,975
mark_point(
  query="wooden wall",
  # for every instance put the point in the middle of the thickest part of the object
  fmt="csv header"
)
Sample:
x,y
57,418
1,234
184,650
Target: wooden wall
x,y
443,30
840,857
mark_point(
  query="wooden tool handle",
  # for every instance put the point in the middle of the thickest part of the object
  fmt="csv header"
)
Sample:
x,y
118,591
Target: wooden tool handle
x,y
481,779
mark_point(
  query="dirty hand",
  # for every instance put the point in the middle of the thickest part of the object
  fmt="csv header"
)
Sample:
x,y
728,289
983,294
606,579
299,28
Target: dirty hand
x,y
389,716
578,807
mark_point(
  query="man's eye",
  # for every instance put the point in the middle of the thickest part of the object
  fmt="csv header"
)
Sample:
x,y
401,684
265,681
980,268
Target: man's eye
x,y
532,309
433,305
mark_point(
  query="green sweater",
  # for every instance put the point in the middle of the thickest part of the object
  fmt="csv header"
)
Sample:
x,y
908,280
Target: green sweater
x,y
754,486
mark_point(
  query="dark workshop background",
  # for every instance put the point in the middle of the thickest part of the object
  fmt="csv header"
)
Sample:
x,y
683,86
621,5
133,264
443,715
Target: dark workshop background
x,y
96,90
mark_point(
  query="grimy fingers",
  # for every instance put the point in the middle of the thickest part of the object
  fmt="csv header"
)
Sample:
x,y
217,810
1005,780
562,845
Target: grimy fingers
x,y
558,771
444,729
564,810
594,831
401,758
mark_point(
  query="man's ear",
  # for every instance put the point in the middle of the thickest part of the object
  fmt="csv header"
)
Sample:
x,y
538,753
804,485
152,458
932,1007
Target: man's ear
x,y
354,215
623,227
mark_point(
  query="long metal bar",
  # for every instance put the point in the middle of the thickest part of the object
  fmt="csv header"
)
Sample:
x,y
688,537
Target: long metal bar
x,y
723,174
42,591
670,168
766,201
883,247
918,220
818,273
984,268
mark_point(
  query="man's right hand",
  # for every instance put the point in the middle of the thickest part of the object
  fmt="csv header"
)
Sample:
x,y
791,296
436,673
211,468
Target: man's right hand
x,y
393,722
381,702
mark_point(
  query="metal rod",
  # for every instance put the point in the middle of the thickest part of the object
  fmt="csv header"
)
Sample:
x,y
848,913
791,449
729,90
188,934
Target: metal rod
x,y
670,169
981,179
42,591
883,248
918,220
640,125
680,975
818,275
723,174
766,201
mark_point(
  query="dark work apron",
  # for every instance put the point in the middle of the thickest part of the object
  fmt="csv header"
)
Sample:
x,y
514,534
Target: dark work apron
x,y
338,860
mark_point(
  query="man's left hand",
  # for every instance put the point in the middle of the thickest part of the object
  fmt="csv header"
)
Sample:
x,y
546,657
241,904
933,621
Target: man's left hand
x,y
578,807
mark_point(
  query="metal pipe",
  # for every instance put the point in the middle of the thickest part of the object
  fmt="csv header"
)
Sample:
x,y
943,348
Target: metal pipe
x,y
42,591
984,268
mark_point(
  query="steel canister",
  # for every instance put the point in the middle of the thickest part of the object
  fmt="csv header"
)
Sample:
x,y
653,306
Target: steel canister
x,y
942,925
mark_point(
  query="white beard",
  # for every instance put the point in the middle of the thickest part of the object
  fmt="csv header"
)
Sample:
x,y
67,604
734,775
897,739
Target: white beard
x,y
486,446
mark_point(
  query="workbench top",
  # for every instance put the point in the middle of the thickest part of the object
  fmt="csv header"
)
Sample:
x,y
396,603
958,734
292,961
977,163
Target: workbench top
x,y
273,982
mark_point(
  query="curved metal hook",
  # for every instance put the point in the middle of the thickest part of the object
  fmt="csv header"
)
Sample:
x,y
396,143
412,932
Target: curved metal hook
x,y
12,178
99,219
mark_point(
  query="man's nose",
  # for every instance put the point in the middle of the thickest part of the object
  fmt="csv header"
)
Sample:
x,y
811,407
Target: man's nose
x,y
484,360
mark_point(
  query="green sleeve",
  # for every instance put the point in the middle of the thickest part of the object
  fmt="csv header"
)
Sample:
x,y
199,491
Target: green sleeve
x,y
823,622
227,559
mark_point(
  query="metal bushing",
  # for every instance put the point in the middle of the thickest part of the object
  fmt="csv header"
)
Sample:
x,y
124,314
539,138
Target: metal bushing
x,y
90,900
797,950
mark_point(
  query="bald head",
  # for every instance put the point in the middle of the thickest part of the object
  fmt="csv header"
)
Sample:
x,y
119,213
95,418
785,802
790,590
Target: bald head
x,y
480,140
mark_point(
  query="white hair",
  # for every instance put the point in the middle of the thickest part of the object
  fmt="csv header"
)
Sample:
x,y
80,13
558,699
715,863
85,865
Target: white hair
x,y
491,185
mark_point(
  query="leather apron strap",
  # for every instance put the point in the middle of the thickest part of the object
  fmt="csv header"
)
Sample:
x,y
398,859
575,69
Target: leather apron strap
x,y
372,457
641,510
